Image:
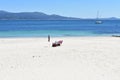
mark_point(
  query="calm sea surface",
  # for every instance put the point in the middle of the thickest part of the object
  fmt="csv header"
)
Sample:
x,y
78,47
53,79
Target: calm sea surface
x,y
59,28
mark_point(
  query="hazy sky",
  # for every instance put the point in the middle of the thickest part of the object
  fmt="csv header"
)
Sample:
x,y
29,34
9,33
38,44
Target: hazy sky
x,y
73,8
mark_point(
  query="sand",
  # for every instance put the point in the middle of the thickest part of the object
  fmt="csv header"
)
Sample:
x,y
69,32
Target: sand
x,y
78,58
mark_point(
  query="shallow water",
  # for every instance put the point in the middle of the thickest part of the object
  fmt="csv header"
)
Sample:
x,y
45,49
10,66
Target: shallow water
x,y
58,28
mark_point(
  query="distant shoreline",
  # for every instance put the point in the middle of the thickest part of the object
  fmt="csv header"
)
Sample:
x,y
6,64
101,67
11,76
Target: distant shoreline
x,y
55,20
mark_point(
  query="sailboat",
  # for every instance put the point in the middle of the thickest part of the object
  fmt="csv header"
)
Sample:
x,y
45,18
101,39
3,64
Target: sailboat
x,y
97,20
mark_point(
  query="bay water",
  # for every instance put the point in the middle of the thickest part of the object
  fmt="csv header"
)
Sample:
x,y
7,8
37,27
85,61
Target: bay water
x,y
58,28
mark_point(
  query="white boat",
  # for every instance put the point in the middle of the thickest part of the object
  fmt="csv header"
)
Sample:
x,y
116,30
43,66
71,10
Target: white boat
x,y
98,22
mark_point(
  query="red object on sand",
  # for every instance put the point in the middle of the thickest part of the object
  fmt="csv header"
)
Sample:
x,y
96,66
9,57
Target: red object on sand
x,y
57,43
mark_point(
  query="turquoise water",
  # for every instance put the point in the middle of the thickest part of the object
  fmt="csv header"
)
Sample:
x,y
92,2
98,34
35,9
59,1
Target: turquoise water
x,y
63,28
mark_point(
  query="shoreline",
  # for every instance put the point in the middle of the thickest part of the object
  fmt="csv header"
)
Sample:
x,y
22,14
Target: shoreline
x,y
60,36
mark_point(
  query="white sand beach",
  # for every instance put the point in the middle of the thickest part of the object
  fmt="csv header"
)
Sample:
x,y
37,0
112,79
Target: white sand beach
x,y
78,58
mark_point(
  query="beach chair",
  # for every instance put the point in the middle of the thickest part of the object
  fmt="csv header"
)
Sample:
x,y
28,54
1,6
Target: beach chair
x,y
57,43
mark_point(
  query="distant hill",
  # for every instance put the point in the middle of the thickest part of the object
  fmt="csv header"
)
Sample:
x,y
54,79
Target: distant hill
x,y
4,15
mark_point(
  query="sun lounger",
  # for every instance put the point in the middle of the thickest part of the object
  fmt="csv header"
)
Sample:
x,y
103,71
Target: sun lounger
x,y
57,43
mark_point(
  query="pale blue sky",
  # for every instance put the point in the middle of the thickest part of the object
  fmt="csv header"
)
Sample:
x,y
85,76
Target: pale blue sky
x,y
73,8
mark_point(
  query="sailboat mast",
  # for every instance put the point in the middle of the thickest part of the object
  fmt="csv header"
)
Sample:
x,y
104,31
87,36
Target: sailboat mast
x,y
97,20
97,14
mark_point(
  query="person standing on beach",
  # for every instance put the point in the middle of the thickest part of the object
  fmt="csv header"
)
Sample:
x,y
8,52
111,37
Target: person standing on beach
x,y
48,38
